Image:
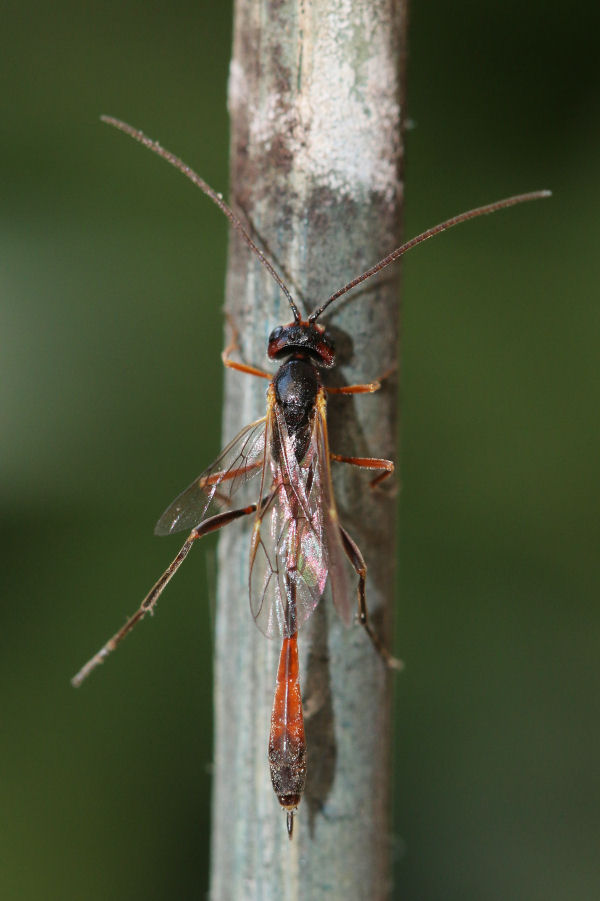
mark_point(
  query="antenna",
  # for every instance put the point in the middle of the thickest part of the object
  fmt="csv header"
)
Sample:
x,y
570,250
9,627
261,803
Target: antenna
x,y
455,220
155,147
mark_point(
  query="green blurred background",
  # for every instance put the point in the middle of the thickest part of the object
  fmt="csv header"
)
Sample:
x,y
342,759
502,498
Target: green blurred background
x,y
112,270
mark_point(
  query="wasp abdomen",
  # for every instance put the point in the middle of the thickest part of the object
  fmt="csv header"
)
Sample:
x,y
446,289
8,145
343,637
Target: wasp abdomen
x,y
287,742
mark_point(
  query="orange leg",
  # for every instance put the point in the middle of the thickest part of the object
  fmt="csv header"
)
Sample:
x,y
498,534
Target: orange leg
x,y
242,367
224,476
369,388
239,367
386,466
217,477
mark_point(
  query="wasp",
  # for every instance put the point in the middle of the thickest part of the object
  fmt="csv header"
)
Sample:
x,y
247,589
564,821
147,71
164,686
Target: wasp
x,y
298,545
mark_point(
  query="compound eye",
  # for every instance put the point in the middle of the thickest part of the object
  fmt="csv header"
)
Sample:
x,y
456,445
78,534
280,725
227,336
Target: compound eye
x,y
276,334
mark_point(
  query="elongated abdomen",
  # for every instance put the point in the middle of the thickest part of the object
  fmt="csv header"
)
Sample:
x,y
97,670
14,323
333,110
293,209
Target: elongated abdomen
x,y
287,742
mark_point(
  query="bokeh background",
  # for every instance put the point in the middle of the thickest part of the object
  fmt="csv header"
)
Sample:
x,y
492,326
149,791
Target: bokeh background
x,y
111,274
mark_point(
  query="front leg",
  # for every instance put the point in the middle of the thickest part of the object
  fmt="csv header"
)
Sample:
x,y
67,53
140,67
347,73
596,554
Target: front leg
x,y
368,388
233,364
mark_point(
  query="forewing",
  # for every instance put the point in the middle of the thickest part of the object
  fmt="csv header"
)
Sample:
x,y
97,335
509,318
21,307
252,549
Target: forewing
x,y
212,491
343,594
289,553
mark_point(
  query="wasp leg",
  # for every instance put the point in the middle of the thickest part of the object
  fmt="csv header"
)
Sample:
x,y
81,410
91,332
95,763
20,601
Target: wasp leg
x,y
368,388
242,367
225,476
232,364
360,567
386,466
149,602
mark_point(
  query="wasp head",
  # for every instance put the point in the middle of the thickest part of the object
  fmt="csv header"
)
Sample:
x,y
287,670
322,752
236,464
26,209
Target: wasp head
x,y
305,338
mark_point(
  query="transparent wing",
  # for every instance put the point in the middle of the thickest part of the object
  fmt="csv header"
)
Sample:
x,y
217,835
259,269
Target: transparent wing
x,y
241,461
342,589
295,543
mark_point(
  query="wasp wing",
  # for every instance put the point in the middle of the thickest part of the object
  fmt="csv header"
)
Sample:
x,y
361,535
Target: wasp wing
x,y
296,544
343,595
240,461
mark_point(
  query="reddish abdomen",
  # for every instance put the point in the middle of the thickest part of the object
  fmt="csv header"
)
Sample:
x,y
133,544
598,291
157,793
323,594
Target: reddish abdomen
x,y
287,742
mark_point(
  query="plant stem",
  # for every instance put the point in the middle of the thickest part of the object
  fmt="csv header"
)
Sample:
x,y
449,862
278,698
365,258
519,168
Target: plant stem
x,y
315,98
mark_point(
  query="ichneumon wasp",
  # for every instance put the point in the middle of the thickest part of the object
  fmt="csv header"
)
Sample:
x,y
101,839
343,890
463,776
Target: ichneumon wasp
x,y
298,545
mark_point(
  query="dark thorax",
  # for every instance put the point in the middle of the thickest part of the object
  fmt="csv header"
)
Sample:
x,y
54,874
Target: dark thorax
x,y
305,349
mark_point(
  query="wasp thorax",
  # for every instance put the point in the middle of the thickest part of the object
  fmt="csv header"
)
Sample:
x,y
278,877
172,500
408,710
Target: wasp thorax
x,y
296,385
306,338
